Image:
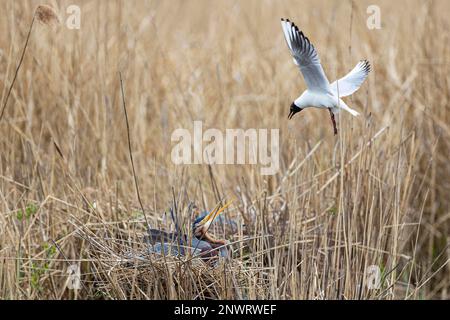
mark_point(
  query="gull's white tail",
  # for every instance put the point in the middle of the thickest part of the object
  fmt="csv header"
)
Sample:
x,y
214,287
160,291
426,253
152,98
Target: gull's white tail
x,y
342,105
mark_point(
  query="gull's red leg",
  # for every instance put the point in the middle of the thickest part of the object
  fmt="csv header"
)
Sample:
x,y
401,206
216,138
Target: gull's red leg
x,y
334,121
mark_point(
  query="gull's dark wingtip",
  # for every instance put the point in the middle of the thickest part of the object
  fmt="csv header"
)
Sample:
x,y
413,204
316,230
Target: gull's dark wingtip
x,y
366,66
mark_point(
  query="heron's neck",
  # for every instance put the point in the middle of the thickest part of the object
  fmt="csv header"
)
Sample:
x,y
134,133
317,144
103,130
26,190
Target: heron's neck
x,y
212,241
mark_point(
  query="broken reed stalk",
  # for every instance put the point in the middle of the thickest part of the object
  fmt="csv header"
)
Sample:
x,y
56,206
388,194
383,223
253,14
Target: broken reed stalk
x,y
18,68
46,15
130,151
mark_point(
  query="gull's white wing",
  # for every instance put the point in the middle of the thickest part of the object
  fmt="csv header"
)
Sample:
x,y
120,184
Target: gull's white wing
x,y
353,80
306,57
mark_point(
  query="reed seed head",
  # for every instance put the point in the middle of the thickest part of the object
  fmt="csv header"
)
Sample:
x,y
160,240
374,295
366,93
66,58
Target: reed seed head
x,y
47,15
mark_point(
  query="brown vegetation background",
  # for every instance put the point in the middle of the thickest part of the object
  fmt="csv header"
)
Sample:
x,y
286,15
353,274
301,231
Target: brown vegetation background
x,y
377,194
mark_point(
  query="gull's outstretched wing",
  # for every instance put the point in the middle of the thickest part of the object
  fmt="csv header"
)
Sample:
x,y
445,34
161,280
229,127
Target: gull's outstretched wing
x,y
306,57
353,80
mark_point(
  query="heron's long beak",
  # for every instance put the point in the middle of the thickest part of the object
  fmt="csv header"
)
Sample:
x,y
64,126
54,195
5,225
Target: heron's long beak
x,y
213,214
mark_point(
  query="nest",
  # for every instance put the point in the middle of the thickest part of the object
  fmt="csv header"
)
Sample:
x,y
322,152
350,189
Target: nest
x,y
123,267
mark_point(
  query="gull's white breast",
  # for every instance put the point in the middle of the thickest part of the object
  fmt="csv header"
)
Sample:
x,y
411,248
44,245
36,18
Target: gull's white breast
x,y
316,99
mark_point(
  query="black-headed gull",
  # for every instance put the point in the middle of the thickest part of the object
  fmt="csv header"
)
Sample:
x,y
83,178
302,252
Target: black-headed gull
x,y
320,93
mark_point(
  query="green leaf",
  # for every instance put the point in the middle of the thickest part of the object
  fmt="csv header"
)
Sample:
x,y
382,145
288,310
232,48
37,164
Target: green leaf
x,y
31,210
333,211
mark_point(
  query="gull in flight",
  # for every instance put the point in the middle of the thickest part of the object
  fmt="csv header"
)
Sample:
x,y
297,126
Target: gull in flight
x,y
320,93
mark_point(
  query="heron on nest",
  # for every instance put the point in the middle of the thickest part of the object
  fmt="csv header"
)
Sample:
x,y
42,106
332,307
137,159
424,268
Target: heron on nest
x,y
201,242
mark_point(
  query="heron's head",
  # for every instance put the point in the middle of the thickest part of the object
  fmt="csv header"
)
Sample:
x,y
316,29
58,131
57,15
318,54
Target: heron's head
x,y
202,224
294,109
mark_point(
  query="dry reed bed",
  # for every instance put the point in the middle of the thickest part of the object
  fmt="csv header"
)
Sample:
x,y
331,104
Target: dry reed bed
x,y
376,194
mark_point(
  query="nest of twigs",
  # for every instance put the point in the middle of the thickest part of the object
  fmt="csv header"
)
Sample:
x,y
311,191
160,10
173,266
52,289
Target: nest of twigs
x,y
122,267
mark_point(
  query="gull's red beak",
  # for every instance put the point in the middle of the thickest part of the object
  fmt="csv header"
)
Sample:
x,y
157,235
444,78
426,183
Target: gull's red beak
x,y
291,114
293,111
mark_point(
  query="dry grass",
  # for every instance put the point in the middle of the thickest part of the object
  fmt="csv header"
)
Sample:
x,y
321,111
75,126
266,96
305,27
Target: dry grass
x,y
376,194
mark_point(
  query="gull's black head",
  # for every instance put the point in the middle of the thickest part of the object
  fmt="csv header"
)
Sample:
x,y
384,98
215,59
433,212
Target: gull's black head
x,y
294,110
